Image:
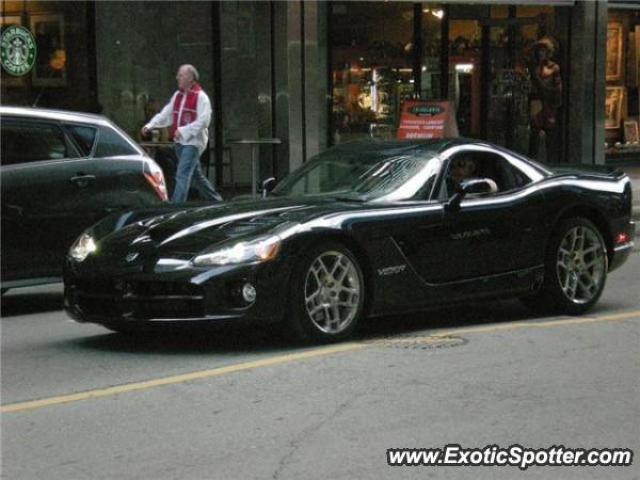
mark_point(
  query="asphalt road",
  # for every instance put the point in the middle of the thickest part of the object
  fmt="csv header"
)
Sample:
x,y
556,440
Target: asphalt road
x,y
79,402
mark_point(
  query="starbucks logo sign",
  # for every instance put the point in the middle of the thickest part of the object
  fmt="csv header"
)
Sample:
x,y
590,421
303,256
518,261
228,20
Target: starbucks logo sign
x,y
17,50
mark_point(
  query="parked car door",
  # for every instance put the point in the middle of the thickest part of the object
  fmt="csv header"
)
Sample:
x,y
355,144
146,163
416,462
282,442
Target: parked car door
x,y
45,185
121,179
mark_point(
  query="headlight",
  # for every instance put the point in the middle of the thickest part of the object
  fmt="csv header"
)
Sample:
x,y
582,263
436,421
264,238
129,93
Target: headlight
x,y
260,250
83,246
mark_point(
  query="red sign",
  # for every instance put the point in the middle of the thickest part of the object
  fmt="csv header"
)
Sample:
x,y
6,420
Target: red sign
x,y
423,119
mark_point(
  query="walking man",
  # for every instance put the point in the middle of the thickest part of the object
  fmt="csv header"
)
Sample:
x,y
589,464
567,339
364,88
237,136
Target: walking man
x,y
188,113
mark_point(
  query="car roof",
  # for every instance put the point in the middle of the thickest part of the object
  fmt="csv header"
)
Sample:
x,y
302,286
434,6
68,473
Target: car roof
x,y
390,148
47,114
69,116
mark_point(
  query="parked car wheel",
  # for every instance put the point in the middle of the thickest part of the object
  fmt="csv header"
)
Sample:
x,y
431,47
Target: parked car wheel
x,y
575,269
327,294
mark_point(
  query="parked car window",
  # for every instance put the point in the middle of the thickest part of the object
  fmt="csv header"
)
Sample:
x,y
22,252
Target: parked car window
x,y
31,142
84,137
111,144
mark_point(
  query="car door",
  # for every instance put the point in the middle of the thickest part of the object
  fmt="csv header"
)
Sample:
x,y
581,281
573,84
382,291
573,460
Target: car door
x,y
120,181
485,236
45,183
123,181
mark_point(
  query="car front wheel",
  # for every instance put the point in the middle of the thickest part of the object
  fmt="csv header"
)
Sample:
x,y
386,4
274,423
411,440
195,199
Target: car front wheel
x,y
327,298
575,269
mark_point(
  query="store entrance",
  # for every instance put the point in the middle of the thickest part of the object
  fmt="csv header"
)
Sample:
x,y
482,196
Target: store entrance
x,y
507,86
505,79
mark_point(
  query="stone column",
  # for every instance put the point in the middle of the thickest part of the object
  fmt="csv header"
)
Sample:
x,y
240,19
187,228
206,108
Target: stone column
x,y
588,44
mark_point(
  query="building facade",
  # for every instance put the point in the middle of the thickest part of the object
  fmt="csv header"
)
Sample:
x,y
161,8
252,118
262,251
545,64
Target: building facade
x,y
534,76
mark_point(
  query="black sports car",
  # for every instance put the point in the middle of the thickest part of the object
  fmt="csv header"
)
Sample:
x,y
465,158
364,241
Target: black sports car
x,y
364,229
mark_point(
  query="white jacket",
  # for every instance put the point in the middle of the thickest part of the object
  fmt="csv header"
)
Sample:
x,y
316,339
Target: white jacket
x,y
195,133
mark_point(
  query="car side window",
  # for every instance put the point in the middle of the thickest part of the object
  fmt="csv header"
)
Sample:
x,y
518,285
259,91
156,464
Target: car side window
x,y
84,137
498,169
461,166
513,178
27,142
481,164
111,144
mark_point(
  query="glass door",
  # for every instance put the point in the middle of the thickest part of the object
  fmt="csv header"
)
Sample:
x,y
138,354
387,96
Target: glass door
x,y
522,81
507,88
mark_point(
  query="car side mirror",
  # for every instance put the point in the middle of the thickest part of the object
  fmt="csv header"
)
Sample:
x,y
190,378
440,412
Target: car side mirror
x,y
469,187
267,186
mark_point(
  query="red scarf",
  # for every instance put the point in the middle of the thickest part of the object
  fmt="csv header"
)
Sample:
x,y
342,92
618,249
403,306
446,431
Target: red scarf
x,y
189,111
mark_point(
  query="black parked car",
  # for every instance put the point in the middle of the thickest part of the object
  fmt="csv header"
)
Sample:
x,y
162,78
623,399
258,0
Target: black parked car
x,y
61,173
363,229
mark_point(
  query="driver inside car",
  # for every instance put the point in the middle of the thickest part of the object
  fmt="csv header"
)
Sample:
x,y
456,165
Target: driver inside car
x,y
464,168
460,169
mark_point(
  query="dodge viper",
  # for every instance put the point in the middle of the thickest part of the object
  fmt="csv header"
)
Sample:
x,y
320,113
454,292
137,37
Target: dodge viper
x,y
364,229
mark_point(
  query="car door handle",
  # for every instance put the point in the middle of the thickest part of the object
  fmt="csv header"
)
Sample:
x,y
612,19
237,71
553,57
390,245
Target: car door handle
x,y
13,210
83,181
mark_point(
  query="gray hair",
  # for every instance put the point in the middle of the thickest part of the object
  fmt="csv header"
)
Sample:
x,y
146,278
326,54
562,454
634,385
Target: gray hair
x,y
192,70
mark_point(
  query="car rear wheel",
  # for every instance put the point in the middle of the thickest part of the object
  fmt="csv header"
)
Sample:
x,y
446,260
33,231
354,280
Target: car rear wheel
x,y
327,297
576,267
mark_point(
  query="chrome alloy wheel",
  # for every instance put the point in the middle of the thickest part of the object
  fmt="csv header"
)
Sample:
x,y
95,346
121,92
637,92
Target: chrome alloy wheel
x,y
581,264
332,292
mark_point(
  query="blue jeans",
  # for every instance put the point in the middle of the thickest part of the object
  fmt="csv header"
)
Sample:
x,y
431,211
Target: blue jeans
x,y
189,170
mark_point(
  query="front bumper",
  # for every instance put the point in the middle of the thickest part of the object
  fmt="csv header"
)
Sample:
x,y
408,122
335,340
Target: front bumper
x,y
185,296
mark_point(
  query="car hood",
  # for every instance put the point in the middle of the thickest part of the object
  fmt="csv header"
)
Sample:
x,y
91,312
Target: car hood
x,y
183,233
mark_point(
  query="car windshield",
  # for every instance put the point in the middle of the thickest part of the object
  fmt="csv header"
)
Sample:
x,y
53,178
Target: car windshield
x,y
396,175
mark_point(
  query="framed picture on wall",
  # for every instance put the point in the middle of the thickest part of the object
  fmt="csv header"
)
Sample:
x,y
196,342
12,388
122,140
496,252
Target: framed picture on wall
x,y
613,107
50,69
636,60
614,51
631,73
7,79
631,131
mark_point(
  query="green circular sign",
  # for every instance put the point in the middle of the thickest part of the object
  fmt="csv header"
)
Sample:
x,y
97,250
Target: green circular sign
x,y
17,50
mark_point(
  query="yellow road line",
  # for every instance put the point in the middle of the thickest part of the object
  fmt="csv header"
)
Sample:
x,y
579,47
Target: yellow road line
x,y
562,322
187,377
293,357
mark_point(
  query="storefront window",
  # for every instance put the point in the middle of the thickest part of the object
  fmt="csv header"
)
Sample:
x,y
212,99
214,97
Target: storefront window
x,y
465,42
371,66
500,11
62,76
433,15
623,80
506,77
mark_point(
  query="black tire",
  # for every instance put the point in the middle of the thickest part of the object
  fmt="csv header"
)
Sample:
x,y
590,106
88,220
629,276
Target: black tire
x,y
566,276
303,282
